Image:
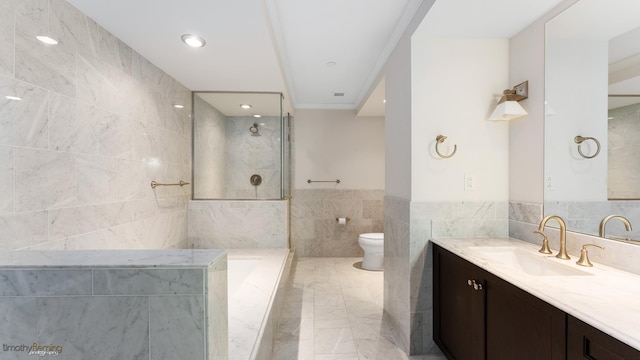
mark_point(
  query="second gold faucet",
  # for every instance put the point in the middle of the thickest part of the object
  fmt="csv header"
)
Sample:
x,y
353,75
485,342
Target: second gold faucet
x,y
562,254
603,223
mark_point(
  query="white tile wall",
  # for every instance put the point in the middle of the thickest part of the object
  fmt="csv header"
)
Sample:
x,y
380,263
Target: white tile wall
x,y
314,229
94,127
229,224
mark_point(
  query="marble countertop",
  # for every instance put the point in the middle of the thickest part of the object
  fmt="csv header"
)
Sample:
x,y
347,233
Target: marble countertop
x,y
166,258
605,298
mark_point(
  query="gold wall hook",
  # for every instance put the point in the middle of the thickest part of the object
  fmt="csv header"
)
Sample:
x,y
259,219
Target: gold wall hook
x,y
439,140
580,139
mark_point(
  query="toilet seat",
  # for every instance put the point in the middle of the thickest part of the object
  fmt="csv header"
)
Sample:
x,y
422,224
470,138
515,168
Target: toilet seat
x,y
373,236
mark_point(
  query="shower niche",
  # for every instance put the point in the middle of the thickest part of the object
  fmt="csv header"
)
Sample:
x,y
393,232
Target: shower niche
x,y
241,147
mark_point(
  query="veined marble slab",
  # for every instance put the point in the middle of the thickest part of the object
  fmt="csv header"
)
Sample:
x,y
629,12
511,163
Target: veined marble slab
x,y
110,258
606,298
133,304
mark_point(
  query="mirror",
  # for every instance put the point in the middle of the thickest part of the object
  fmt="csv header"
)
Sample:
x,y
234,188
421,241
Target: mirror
x,y
238,147
592,69
624,147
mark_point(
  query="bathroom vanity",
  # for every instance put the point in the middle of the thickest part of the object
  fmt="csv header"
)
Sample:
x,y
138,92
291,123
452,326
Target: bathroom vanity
x,y
500,299
114,304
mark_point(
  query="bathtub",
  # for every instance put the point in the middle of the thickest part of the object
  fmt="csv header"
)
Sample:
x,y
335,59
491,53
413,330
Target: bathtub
x,y
254,278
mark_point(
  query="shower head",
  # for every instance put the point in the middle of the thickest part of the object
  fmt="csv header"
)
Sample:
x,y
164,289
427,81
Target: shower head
x,y
254,130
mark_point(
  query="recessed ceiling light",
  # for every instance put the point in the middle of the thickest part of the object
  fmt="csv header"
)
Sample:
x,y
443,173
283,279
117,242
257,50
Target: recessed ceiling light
x,y
193,40
338,94
47,40
245,106
178,106
331,64
9,97
257,115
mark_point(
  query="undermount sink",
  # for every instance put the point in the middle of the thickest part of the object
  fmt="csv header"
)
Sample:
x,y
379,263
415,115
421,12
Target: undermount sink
x,y
529,263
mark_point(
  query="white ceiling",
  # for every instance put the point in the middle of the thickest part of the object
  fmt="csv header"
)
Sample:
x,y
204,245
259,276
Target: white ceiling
x,y
286,45
482,18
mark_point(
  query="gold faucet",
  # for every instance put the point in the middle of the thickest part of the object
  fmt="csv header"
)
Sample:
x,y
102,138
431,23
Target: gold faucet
x,y
603,223
562,254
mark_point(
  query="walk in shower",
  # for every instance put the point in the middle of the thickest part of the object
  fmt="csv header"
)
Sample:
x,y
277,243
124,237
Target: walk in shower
x,y
241,146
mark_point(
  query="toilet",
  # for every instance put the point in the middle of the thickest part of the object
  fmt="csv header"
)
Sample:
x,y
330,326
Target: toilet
x,y
373,246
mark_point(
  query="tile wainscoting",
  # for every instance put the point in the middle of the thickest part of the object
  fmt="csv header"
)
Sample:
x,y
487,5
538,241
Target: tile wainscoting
x,y
525,218
120,304
408,263
238,224
314,229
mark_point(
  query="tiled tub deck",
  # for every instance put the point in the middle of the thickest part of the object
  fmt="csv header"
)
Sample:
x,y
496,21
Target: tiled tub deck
x,y
116,304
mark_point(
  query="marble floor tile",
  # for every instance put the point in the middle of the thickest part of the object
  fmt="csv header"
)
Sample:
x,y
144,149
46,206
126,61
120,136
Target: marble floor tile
x,y
300,350
334,341
328,301
297,309
336,357
328,323
381,349
322,314
295,329
333,311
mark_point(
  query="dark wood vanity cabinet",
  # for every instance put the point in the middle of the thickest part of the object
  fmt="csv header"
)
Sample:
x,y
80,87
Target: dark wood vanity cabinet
x,y
521,326
459,307
493,320
587,342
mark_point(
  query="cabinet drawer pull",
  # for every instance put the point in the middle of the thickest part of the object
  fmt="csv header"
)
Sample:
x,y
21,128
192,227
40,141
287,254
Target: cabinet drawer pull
x,y
475,285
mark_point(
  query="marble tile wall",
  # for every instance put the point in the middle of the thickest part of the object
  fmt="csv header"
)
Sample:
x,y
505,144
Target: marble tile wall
x,y
397,268
585,217
525,218
247,155
218,311
209,143
623,151
94,127
443,220
144,313
314,229
408,262
228,224
227,154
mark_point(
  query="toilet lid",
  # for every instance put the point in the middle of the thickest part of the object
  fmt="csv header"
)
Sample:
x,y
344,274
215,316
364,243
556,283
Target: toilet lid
x,y
373,236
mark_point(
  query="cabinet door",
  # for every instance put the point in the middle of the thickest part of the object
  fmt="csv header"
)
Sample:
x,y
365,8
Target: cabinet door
x,y
587,342
458,307
521,326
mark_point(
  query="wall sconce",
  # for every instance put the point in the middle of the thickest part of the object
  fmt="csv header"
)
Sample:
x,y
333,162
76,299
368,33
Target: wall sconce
x,y
508,107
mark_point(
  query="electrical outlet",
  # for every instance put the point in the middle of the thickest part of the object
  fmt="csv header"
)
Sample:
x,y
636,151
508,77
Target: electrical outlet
x,y
548,183
469,182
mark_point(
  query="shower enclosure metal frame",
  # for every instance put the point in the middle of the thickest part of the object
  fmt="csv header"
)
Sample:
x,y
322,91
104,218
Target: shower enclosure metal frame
x,y
284,148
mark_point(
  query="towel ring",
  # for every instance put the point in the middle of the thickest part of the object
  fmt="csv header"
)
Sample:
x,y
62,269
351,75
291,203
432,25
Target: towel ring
x,y
439,140
580,139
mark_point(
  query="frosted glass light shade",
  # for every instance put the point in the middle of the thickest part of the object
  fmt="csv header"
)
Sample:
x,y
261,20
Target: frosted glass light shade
x,y
508,110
